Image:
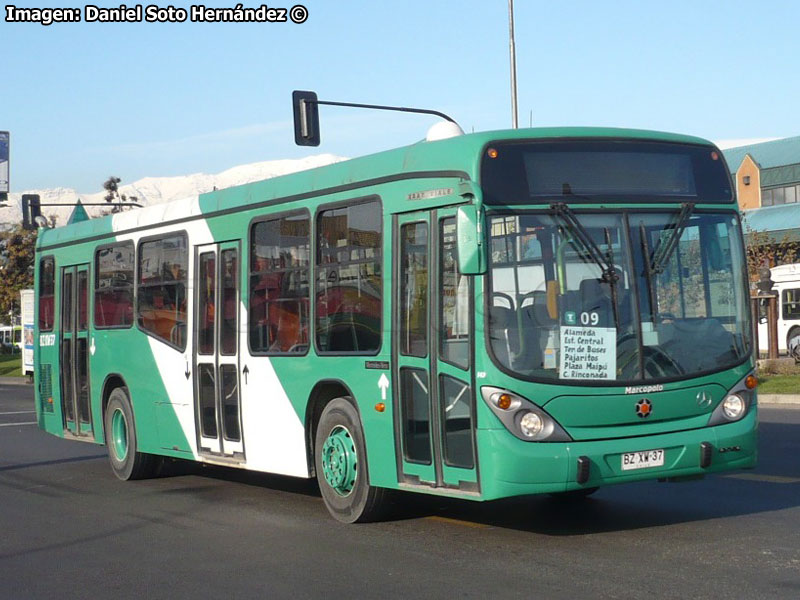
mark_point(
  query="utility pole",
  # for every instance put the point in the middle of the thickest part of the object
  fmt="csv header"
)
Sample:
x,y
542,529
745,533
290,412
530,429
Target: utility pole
x,y
512,52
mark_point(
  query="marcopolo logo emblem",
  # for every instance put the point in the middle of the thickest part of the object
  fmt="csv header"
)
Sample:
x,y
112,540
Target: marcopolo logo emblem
x,y
643,408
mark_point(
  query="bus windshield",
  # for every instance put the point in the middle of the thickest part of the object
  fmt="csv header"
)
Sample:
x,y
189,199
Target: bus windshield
x,y
674,307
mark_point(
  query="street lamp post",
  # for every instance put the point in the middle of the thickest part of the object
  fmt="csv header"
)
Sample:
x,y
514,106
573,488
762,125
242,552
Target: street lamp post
x,y
513,56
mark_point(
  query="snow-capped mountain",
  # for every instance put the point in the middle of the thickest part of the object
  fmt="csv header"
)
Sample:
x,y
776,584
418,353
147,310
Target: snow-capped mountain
x,y
155,190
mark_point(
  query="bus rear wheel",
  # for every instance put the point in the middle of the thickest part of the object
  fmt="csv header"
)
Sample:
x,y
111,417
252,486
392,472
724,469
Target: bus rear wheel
x,y
794,332
126,461
341,466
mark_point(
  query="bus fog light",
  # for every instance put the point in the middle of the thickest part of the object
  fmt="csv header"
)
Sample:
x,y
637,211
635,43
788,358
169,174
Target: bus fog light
x,y
531,424
733,406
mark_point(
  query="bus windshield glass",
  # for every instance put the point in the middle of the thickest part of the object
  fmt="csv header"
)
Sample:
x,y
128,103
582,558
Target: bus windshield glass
x,y
598,170
557,312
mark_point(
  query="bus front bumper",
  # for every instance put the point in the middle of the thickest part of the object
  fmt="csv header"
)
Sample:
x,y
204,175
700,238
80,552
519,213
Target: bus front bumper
x,y
512,467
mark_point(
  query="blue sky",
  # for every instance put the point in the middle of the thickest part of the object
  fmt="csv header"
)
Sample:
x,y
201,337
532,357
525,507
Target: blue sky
x,y
84,101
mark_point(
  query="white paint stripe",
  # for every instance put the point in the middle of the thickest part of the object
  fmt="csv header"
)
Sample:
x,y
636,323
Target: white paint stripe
x,y
170,363
19,412
15,424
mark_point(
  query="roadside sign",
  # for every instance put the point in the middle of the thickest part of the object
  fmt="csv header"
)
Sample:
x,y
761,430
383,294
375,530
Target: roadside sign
x,y
4,161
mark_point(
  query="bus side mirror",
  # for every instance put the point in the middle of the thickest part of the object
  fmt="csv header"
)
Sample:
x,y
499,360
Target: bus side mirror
x,y
30,210
306,118
469,233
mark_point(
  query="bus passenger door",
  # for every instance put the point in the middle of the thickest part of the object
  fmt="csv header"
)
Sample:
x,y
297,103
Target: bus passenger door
x,y
74,350
432,321
216,351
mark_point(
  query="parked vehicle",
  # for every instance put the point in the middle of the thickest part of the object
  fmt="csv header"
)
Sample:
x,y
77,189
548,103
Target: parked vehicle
x,y
787,285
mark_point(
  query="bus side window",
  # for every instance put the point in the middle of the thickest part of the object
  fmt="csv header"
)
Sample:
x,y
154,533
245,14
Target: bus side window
x,y
113,286
279,288
454,293
791,305
161,288
349,293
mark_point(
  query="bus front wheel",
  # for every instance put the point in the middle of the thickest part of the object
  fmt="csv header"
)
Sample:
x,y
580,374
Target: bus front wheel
x,y
341,466
120,431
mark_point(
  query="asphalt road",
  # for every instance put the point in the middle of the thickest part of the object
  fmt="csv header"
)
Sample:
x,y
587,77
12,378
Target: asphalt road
x,y
69,529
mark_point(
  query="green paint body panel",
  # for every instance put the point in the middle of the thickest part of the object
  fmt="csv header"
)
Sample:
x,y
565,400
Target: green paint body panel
x,y
600,419
521,468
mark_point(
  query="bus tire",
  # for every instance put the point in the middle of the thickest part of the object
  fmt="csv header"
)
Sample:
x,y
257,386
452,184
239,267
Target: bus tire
x,y
120,431
793,333
341,466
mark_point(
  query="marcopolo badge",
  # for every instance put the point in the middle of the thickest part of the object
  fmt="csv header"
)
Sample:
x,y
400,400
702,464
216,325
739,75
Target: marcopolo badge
x,y
644,407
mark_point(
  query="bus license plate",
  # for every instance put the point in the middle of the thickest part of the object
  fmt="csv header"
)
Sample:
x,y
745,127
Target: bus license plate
x,y
642,460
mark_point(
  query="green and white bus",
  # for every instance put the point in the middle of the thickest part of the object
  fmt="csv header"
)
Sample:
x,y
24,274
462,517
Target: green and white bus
x,y
490,315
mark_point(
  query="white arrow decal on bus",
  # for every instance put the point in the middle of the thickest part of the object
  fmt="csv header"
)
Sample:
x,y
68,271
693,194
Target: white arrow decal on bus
x,y
383,383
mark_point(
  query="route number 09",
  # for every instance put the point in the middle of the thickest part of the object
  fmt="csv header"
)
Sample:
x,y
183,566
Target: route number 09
x,y
588,318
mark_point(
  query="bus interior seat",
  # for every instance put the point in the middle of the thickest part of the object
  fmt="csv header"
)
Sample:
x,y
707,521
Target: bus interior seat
x,y
535,325
503,333
115,308
178,334
594,299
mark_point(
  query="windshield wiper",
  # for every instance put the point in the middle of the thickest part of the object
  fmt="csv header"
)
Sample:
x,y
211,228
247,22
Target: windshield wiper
x,y
578,232
663,252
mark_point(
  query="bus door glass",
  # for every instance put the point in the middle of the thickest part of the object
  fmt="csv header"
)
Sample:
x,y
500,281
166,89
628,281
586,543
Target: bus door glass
x,y
74,350
434,403
216,350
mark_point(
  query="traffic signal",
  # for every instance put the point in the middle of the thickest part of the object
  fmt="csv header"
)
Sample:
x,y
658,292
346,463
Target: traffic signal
x,y
30,210
765,283
306,118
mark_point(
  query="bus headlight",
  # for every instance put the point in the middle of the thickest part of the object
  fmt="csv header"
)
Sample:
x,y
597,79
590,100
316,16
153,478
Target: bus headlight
x,y
531,424
733,406
736,403
522,417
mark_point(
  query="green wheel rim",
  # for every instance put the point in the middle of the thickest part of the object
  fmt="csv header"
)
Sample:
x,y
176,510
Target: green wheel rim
x,y
119,435
339,460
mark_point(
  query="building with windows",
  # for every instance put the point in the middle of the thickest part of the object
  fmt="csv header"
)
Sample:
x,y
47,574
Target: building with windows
x,y
767,179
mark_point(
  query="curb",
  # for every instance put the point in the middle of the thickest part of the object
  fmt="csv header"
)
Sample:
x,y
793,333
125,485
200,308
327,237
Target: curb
x,y
14,381
779,399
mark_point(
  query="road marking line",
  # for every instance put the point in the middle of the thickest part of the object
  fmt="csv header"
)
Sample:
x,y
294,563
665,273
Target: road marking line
x,y
13,424
763,478
19,412
457,522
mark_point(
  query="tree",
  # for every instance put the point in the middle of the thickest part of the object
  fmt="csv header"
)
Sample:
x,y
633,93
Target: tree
x,y
113,196
764,251
16,267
